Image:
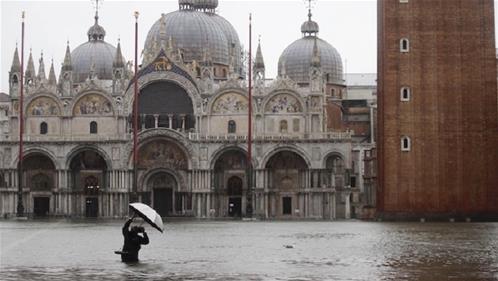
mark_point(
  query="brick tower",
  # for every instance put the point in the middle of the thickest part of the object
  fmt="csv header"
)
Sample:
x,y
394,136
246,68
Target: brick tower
x,y
438,121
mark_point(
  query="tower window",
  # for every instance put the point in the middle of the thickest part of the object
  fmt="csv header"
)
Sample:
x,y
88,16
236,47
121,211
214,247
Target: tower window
x,y
43,128
232,127
406,144
15,80
405,94
403,1
404,45
93,127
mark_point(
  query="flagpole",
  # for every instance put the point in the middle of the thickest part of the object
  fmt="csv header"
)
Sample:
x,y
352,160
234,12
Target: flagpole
x,y
135,115
249,209
20,206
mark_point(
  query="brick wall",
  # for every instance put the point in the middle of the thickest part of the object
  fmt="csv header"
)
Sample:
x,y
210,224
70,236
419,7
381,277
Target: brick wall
x,y
452,168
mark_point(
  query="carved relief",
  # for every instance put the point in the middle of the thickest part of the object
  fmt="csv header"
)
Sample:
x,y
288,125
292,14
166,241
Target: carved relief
x,y
43,106
283,103
165,153
230,103
162,64
93,105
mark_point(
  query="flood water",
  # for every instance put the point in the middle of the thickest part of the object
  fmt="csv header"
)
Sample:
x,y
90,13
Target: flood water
x,y
84,250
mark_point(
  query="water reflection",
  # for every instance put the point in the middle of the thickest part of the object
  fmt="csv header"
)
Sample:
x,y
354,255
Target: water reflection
x,y
62,250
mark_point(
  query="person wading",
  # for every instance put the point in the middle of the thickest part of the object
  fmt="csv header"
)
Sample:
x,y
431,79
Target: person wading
x,y
132,241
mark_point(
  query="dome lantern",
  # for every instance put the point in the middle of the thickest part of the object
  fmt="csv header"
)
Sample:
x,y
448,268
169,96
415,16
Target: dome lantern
x,y
96,32
208,6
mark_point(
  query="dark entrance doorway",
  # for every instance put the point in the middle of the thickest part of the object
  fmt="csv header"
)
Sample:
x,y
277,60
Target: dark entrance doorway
x,y
92,207
234,191
163,185
287,205
41,206
163,201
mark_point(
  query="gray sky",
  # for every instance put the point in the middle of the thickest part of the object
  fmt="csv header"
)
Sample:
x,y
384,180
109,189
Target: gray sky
x,y
349,25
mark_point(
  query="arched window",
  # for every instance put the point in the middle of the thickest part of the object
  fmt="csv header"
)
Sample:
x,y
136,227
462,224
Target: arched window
x,y
404,45
15,80
405,94
283,126
406,144
93,127
232,127
43,128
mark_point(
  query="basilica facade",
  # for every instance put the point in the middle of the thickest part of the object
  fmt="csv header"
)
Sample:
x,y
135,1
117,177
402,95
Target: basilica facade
x,y
193,128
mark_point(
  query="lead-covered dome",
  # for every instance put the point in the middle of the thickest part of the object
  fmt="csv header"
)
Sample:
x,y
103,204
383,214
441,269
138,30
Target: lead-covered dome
x,y
198,32
193,32
297,58
95,55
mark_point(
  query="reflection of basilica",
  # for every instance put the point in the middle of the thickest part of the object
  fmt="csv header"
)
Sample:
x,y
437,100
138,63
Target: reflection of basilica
x,y
193,105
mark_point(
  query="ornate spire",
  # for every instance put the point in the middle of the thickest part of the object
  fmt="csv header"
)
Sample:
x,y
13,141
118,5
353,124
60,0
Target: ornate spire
x,y
118,59
30,70
67,66
315,60
310,28
16,64
51,75
259,63
41,69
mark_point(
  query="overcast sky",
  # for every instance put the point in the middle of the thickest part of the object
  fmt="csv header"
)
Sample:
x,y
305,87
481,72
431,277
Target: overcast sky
x,y
349,25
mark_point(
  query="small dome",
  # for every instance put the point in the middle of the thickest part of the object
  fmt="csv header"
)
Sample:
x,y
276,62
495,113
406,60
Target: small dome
x,y
194,33
96,32
296,60
310,27
95,54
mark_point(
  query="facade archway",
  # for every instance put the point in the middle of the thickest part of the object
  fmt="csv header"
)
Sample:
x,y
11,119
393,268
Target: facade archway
x,y
39,175
88,173
230,182
163,186
287,178
336,169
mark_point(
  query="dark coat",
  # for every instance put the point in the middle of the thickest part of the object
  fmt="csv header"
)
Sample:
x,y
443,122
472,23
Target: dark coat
x,y
132,242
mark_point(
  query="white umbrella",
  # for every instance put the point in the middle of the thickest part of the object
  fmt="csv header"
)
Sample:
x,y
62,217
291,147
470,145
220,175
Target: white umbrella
x,y
148,214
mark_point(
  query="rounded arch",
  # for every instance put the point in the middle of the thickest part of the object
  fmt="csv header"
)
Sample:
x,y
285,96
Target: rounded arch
x,y
79,149
44,104
226,100
38,150
169,135
92,103
333,153
289,107
273,151
143,181
168,76
229,148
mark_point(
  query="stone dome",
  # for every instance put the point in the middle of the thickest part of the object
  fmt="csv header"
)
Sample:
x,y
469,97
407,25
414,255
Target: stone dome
x,y
232,36
297,58
193,32
96,55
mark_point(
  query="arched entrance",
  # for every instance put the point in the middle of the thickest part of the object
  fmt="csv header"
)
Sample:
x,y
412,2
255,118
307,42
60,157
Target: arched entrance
x,y
163,168
287,177
163,185
230,181
88,179
335,165
39,176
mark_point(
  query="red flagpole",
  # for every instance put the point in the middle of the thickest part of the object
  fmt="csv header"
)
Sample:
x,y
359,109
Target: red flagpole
x,y
249,127
135,116
20,206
